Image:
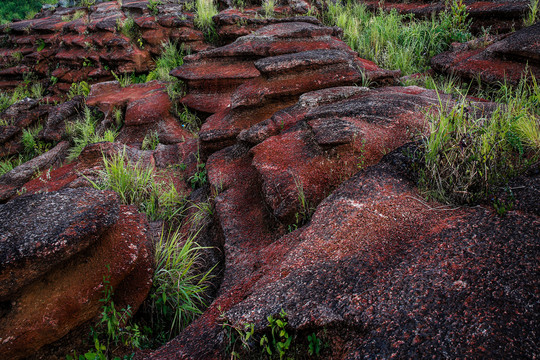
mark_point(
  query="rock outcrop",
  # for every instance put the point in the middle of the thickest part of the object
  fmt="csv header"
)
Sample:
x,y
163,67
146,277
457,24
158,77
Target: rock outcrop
x,y
507,58
57,250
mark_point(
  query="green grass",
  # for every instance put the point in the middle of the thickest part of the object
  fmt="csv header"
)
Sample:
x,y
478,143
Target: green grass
x,y
171,57
16,9
84,132
469,155
394,41
533,15
178,287
137,185
204,10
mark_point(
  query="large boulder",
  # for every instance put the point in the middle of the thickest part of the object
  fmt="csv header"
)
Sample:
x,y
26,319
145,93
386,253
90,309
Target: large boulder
x,y
57,250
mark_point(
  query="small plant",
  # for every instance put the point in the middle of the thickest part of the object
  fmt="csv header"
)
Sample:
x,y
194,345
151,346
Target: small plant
x,y
118,117
88,3
83,132
188,120
17,56
32,146
127,27
268,7
10,163
171,57
79,88
533,14
150,141
153,6
178,285
136,185
315,345
40,45
303,215
198,179
205,10
280,340
124,80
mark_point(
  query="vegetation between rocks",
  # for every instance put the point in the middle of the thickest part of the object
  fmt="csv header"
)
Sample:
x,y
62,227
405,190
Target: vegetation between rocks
x,y
398,42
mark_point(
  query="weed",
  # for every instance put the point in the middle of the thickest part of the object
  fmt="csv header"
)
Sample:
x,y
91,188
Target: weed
x,y
178,287
302,216
198,179
32,146
268,7
128,28
533,14
40,45
467,153
10,163
315,345
88,3
124,80
83,132
188,120
17,56
150,141
171,57
78,88
153,6
136,184
205,10
118,117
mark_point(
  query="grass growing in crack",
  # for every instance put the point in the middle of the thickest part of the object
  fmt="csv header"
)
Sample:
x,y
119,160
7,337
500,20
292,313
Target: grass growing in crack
x,y
395,41
268,7
178,287
84,132
78,88
204,11
171,57
533,15
302,216
137,185
468,154
33,147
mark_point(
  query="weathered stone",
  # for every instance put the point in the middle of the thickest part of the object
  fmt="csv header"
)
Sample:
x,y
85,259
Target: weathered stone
x,y
41,231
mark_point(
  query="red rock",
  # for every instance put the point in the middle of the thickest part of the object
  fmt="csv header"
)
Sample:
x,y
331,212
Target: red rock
x,y
68,295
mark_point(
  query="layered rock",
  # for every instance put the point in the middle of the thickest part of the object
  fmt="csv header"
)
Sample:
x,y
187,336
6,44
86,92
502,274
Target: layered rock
x,y
57,251
497,15
247,81
507,59
76,44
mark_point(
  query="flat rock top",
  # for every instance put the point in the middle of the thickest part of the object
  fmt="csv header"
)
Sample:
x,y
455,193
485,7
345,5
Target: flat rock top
x,y
39,231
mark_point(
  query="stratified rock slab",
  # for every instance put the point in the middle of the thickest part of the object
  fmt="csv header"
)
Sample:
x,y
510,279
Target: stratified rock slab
x,y
515,56
40,231
57,251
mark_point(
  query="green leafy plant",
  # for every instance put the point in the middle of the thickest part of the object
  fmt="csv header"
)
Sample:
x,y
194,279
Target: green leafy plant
x,y
302,216
171,57
150,141
78,88
315,345
280,340
136,184
205,10
124,80
128,28
199,178
268,7
533,14
153,6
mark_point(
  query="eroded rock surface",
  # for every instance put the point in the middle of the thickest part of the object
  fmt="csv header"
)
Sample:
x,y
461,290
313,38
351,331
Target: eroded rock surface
x,y
509,59
57,250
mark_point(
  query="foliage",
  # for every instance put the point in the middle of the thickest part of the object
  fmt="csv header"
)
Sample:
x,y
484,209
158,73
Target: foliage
x,y
178,285
268,7
137,185
32,146
9,163
16,9
78,88
150,141
153,6
533,15
188,119
305,212
171,57
395,41
199,178
205,10
83,132
124,80
275,342
468,152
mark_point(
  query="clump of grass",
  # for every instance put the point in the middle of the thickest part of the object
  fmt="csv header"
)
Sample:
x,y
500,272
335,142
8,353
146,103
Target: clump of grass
x,y
177,295
268,7
124,80
137,185
533,14
469,153
10,163
171,57
150,141
395,41
127,27
205,10
78,88
84,132
189,120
